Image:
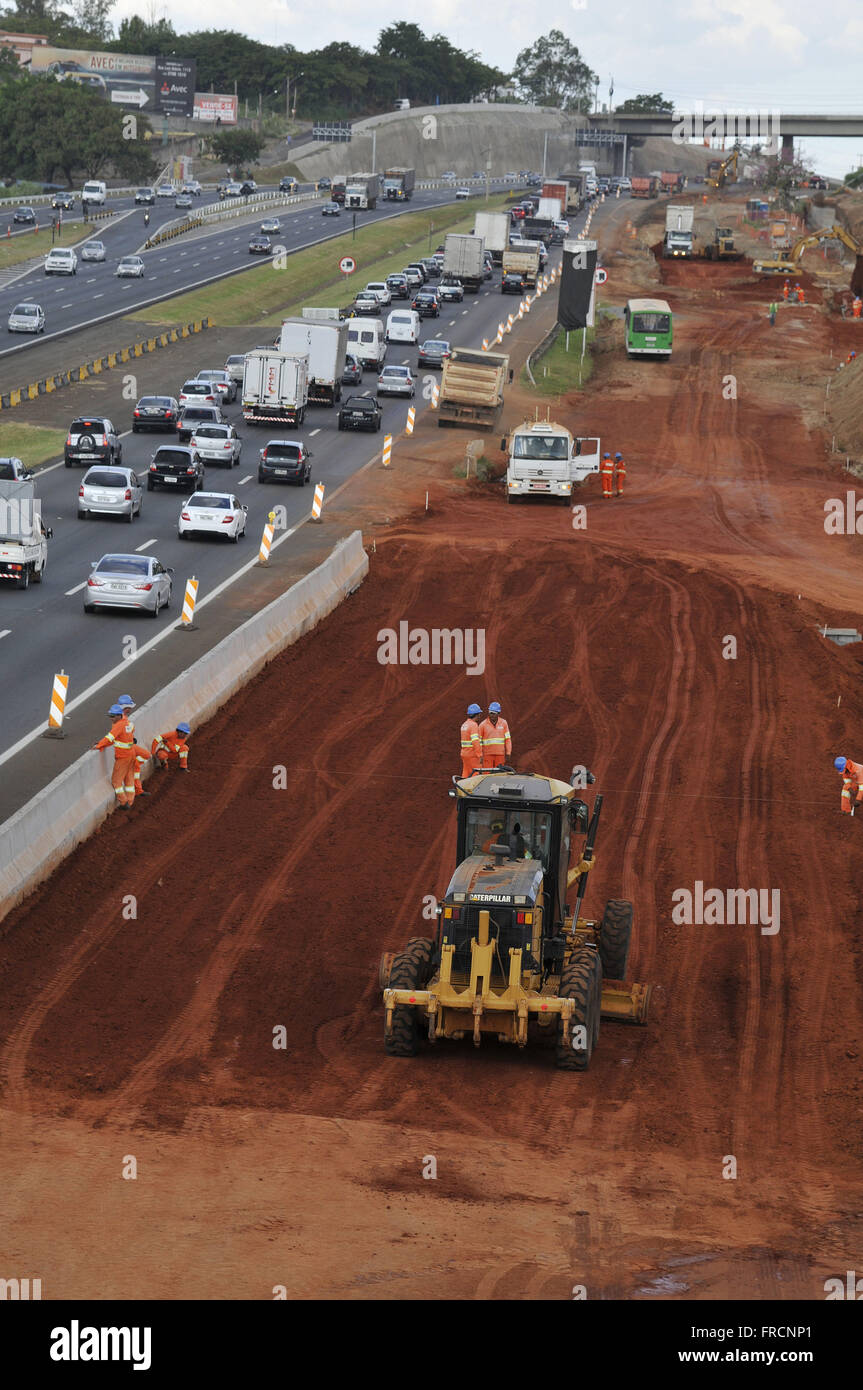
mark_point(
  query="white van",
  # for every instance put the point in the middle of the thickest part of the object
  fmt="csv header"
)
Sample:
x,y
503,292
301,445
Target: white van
x,y
366,341
93,192
403,326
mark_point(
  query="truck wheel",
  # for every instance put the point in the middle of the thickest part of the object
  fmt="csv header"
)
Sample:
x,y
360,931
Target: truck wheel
x,y
23,580
615,938
38,575
410,970
581,981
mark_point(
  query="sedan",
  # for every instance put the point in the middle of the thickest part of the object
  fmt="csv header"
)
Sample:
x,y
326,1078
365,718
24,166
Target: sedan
x,y
331,210
398,287
367,304
272,225
462,193
165,190
359,413
353,372
450,293
25,215
145,196
66,201
260,246
201,392
93,251
173,466
512,283
217,444
129,581
396,381
110,492
222,380
426,304
214,513
235,366
415,278
155,413
285,461
13,470
183,200
131,266
433,352
27,318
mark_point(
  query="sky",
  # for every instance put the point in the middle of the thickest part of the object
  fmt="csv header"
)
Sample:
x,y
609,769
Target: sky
x,y
731,54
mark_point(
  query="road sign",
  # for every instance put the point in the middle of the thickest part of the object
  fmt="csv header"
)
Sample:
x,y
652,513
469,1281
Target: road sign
x,y
601,275
347,265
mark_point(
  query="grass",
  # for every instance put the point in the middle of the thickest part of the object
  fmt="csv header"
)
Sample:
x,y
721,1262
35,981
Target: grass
x,y
23,247
560,371
33,444
312,277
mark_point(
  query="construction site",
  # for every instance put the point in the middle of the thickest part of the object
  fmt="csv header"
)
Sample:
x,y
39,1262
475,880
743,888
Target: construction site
x,y
231,1034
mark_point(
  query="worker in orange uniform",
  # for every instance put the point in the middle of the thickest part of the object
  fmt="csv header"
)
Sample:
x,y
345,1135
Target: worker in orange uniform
x,y
857,306
786,290
852,783
121,739
619,473
801,295
139,756
471,743
172,747
496,738
606,472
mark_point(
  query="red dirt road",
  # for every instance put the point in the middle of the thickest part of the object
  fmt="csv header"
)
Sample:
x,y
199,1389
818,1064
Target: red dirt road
x,y
259,907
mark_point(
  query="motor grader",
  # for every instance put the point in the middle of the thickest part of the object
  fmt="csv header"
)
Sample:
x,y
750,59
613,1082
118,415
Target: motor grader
x,y
511,959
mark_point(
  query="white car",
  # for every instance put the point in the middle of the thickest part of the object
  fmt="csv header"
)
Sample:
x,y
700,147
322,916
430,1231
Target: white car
x,y
26,318
462,193
380,290
222,380
396,381
166,190
217,444
61,260
131,266
271,225
199,393
93,251
218,513
235,367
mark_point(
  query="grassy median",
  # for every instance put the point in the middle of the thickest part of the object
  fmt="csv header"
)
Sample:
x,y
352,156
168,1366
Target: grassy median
x,y
559,371
32,444
312,277
25,245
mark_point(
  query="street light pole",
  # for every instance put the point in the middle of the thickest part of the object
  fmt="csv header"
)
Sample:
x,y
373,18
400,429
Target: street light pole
x,y
374,167
544,155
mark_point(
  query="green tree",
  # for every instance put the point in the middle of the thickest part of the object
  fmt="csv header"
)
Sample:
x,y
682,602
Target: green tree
x,y
655,104
236,146
552,72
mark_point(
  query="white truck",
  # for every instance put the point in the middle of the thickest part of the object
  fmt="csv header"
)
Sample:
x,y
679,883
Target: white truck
x,y
546,460
463,259
23,535
523,260
550,207
275,387
493,227
678,243
361,191
322,336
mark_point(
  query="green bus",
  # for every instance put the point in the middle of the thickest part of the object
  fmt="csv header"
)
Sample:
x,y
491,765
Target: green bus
x,y
648,328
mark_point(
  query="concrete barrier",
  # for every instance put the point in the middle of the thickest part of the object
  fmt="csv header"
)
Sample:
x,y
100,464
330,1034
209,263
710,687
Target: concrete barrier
x,y
39,836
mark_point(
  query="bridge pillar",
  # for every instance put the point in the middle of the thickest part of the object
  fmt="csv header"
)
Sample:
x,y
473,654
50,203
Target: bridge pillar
x,y
788,149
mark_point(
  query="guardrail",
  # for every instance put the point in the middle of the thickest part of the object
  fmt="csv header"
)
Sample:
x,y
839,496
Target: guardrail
x,y
231,207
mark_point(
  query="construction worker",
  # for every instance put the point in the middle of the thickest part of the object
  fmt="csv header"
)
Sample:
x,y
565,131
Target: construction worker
x,y
852,783
172,747
771,313
857,306
126,702
606,471
494,838
139,756
471,742
496,738
786,290
121,739
619,473
801,295
850,358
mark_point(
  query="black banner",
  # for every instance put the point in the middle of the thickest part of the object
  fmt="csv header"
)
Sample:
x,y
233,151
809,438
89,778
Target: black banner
x,y
175,86
577,271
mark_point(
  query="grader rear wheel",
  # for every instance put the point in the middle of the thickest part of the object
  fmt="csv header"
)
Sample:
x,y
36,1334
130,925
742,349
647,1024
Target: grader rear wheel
x,y
615,938
581,981
410,970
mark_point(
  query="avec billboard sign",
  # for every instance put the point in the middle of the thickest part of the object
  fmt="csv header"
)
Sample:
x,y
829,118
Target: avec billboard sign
x,y
161,86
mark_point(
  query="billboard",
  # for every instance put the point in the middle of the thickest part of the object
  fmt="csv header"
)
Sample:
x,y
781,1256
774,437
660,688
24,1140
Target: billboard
x,y
210,106
577,278
163,86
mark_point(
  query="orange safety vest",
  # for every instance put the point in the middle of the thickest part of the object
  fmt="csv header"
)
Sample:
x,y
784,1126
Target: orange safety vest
x,y
852,781
606,466
471,739
174,743
496,738
121,738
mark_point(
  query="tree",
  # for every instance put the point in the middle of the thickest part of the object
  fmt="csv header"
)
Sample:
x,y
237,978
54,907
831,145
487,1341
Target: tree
x,y
48,127
91,17
644,105
553,73
236,146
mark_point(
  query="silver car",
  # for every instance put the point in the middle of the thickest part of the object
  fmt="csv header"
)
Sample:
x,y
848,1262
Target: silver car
x,y
27,318
110,492
396,381
217,444
222,379
131,266
129,581
93,251
235,366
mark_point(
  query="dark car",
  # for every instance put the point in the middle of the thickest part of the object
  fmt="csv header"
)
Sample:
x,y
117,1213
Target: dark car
x,y
325,183
193,415
177,468
512,283
25,215
285,461
398,287
433,352
426,304
353,373
92,439
155,413
260,245
66,201
145,197
432,266
331,210
360,413
287,184
248,188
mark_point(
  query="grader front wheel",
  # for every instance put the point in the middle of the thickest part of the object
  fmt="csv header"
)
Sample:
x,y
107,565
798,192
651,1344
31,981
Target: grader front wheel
x,y
409,970
615,937
581,981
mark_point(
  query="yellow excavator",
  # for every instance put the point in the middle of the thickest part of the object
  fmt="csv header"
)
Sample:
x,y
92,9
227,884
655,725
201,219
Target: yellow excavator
x,y
788,262
721,171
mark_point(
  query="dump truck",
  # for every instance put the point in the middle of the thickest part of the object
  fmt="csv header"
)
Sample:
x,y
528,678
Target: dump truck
x,y
678,240
493,227
522,261
538,229
644,188
361,191
398,184
275,387
322,336
463,258
546,460
671,183
471,388
23,535
787,262
780,236
510,959
557,188
337,188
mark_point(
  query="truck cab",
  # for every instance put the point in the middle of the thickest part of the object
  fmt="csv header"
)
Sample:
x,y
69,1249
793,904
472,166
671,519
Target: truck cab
x,y
546,460
23,534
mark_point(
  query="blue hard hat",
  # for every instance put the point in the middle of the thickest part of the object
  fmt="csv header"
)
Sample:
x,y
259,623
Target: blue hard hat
x,y
618,456
606,456
839,764
473,709
116,710
126,701
183,729
494,707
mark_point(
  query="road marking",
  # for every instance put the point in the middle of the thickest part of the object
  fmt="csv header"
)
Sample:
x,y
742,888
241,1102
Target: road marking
x,y
463,312
312,433
163,258
451,323
99,296
77,589
247,479
5,632
147,544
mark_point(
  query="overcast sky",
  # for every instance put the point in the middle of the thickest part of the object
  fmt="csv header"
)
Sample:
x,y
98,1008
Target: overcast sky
x,y
749,54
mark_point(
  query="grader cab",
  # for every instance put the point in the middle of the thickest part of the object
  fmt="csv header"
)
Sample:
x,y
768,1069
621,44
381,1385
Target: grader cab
x,y
511,959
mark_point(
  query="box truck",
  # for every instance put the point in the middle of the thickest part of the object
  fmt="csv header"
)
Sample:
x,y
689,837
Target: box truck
x,y
678,242
493,228
275,387
463,260
398,184
321,336
361,191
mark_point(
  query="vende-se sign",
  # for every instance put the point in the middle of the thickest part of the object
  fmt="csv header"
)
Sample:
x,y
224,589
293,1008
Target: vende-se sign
x,y
210,106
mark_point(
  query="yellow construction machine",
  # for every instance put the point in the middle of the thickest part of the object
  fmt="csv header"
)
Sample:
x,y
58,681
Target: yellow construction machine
x,y
721,171
510,959
787,262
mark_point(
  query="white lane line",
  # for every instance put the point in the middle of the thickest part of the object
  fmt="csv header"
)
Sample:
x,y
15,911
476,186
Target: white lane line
x,y
77,589
451,323
147,544
463,312
99,296
247,479
163,258
5,632
312,433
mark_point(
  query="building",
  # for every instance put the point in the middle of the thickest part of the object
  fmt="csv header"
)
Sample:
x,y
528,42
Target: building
x,y
23,44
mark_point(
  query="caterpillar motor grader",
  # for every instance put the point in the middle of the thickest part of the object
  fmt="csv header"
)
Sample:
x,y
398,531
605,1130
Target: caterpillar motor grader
x,y
788,262
510,958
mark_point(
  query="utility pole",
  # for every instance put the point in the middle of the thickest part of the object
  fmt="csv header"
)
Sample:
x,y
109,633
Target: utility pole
x,y
287,99
374,168
544,155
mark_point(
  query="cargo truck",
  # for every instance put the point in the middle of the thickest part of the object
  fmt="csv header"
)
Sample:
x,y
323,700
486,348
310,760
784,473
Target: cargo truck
x,y
644,188
493,227
23,535
471,388
539,229
524,261
678,242
275,387
322,336
463,259
671,183
558,188
398,185
337,188
552,208
546,460
361,191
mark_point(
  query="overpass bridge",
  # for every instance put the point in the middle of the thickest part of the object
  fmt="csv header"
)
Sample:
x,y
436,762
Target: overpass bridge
x,y
729,123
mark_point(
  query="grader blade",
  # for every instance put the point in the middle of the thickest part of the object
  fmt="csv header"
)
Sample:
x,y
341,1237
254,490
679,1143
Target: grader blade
x,y
625,1003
